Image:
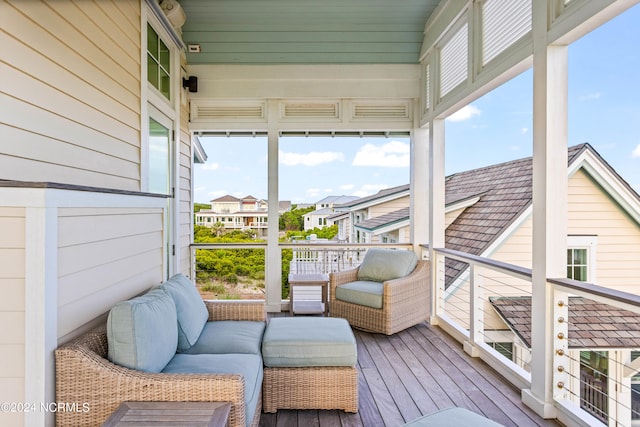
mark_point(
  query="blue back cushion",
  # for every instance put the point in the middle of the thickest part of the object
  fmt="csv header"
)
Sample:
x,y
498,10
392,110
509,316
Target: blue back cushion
x,y
380,265
142,333
190,308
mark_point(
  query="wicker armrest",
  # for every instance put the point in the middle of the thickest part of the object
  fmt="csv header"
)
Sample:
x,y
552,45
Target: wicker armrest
x,y
236,310
405,288
340,277
86,376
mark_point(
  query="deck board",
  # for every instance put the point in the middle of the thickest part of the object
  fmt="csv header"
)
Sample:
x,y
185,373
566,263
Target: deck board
x,y
415,372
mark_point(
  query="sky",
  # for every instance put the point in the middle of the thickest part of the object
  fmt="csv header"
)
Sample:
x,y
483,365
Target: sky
x,y
604,110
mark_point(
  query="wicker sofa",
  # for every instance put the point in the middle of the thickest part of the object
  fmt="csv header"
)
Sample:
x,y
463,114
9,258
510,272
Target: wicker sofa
x,y
387,293
84,372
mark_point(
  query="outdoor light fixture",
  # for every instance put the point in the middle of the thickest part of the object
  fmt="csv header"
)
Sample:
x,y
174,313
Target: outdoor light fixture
x,y
191,83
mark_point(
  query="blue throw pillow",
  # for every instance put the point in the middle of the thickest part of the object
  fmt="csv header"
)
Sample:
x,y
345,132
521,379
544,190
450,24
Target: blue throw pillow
x,y
190,308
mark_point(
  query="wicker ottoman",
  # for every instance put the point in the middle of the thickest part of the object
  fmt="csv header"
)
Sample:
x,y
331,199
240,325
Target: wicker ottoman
x,y
309,364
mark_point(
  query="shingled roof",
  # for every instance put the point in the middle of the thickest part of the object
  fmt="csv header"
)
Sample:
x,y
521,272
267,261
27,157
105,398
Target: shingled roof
x,y
506,190
591,324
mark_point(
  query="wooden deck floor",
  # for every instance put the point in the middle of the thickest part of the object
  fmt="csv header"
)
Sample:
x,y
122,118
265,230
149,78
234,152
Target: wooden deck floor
x,y
413,373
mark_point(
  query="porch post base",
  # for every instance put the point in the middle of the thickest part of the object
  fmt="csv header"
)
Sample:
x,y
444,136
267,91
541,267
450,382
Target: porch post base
x,y
545,410
470,349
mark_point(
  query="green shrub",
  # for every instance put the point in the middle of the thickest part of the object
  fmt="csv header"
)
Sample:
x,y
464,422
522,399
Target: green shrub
x,y
212,287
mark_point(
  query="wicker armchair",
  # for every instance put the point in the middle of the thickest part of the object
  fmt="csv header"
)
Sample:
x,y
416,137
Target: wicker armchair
x,y
405,302
83,374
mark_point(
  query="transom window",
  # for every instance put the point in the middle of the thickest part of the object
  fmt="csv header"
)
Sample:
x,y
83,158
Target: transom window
x,y
158,63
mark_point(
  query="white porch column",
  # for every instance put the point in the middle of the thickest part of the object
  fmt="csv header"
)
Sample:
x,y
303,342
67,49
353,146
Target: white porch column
x,y
41,311
549,205
273,257
419,181
436,213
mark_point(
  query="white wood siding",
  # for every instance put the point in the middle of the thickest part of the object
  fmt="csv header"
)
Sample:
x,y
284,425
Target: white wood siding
x,y
185,209
71,92
105,255
12,305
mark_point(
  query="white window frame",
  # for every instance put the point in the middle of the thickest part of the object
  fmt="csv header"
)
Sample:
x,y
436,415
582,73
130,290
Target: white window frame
x,y
156,106
589,243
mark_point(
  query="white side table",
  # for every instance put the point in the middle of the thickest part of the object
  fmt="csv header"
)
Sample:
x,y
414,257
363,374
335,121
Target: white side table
x,y
309,307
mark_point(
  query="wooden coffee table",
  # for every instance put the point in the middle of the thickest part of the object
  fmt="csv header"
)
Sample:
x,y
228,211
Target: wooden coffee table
x,y
206,414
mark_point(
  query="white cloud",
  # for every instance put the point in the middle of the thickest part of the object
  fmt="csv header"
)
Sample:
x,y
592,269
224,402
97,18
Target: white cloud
x,y
318,192
210,166
216,194
636,152
369,189
393,154
313,158
591,96
465,113
347,187
524,130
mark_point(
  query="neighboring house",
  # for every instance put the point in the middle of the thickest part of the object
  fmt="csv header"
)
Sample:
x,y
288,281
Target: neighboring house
x,y
348,215
488,213
232,213
319,218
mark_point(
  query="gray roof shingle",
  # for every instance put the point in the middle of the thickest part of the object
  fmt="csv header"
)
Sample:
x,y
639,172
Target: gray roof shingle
x,y
591,324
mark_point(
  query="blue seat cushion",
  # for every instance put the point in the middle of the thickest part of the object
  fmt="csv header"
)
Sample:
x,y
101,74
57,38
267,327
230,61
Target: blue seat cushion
x,y
453,417
191,311
380,265
247,365
308,341
361,292
142,333
229,336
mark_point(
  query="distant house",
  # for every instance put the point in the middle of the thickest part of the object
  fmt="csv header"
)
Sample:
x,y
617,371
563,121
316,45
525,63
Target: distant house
x,y
324,209
349,215
489,214
232,213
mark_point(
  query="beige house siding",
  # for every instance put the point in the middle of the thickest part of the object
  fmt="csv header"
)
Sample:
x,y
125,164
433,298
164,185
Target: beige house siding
x,y
591,212
387,207
72,92
618,236
12,305
105,255
449,217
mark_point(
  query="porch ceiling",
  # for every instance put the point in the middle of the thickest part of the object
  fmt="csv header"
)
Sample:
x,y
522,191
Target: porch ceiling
x,y
305,31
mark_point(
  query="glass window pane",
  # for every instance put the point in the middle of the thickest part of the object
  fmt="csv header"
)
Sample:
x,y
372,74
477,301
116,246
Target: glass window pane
x,y
152,71
580,256
159,166
164,56
165,84
582,273
152,41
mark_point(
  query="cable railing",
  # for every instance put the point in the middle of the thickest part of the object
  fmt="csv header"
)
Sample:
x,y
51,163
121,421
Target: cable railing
x,y
487,306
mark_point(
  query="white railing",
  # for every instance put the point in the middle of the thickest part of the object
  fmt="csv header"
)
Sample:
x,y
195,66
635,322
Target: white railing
x,y
324,257
307,257
583,393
